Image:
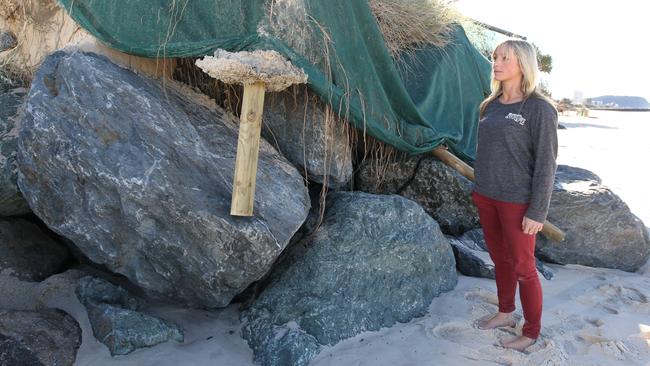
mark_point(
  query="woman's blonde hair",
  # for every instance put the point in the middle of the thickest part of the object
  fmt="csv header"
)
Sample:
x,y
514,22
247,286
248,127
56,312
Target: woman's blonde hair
x,y
527,59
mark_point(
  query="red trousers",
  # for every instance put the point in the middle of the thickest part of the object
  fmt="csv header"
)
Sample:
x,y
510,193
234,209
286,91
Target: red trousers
x,y
513,254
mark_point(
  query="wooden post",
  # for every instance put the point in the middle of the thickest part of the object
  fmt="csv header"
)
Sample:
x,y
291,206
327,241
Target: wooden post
x,y
248,143
551,231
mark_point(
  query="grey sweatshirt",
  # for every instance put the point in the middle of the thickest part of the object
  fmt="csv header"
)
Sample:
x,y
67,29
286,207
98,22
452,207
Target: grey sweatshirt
x,y
516,154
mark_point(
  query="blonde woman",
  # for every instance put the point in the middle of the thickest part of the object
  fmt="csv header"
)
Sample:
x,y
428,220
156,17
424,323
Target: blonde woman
x,y
514,173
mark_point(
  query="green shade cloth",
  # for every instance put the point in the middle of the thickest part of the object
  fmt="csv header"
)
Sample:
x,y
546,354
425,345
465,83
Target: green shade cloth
x,y
428,98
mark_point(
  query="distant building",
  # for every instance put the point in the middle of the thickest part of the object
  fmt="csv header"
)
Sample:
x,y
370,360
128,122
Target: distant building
x,y
577,97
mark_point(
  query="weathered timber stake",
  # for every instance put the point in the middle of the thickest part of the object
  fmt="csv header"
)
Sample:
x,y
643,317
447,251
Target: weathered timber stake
x,y
248,146
258,71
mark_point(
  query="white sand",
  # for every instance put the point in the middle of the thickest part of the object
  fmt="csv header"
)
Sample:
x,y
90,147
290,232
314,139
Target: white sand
x,y
591,316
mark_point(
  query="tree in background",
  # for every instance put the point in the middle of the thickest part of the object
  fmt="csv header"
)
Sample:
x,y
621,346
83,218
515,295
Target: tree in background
x,y
545,61
485,40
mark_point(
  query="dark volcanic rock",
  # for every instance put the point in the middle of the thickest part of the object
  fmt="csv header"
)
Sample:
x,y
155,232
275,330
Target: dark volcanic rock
x,y
139,176
28,253
96,290
14,353
387,178
473,259
445,195
376,260
443,192
46,337
7,40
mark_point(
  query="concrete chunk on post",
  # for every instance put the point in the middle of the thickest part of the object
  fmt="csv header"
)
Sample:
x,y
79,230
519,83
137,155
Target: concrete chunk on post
x,y
258,71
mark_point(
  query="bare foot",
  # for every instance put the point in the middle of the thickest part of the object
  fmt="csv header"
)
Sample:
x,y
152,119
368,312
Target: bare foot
x,y
520,343
497,321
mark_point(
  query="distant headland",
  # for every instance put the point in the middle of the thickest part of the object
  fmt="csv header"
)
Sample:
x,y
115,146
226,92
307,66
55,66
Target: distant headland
x,y
617,102
605,102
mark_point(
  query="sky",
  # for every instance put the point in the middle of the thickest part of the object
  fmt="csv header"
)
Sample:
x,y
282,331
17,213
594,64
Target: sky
x,y
598,47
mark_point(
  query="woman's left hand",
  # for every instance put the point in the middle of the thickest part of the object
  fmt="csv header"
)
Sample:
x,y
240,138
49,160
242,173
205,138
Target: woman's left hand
x,y
531,227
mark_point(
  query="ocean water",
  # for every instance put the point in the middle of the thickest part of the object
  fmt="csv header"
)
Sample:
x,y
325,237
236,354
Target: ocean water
x,y
615,146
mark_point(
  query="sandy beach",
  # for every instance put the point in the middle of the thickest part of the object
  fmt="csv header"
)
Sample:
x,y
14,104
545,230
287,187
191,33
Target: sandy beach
x,y
591,316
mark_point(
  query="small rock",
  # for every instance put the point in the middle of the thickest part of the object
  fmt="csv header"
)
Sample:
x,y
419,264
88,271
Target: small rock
x,y
473,259
7,40
93,289
112,315
123,330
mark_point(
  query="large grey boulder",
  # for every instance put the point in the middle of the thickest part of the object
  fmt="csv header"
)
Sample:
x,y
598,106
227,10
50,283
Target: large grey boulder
x,y
139,176
113,316
27,252
376,260
443,192
11,200
47,337
298,124
600,229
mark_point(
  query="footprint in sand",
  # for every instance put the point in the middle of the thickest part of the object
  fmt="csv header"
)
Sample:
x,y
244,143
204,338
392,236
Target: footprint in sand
x,y
615,298
461,333
584,335
482,345
482,295
633,294
595,322
467,335
625,297
612,348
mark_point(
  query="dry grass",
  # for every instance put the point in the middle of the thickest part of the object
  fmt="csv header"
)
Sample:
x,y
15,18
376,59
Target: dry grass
x,y
408,25
38,12
226,96
9,9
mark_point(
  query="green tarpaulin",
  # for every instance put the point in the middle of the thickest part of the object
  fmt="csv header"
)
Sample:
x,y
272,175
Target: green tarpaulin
x,y
428,98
